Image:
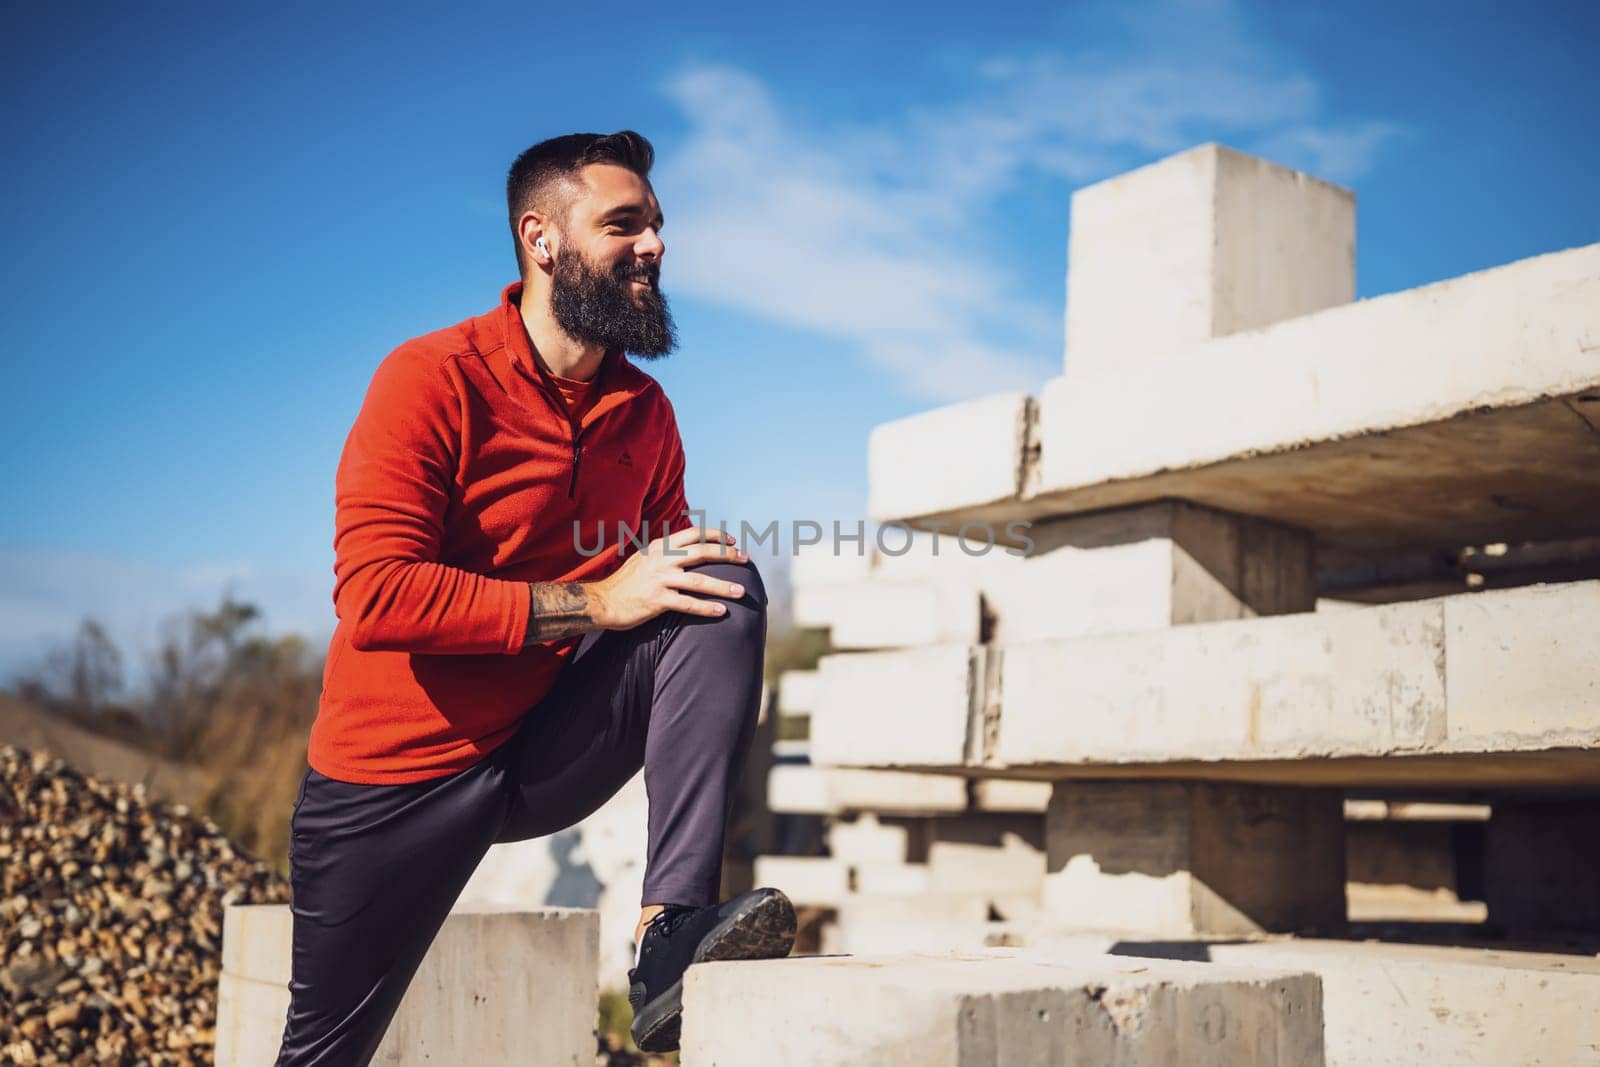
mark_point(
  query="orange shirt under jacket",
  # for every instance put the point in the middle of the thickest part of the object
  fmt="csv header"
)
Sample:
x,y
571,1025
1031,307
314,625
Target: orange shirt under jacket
x,y
459,484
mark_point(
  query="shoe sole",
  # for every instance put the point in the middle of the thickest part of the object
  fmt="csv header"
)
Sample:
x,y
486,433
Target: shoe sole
x,y
761,930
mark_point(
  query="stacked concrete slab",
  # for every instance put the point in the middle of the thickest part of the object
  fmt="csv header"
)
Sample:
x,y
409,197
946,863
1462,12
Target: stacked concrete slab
x,y
1126,604
915,848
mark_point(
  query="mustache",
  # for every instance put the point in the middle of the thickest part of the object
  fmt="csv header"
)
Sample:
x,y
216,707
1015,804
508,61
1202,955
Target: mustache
x,y
650,272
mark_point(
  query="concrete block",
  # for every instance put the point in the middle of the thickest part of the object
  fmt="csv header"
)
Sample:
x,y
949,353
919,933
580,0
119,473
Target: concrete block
x,y
1158,565
989,829
1368,682
1393,1005
876,879
250,1020
1181,858
871,923
812,790
887,931
794,749
257,943
797,692
1199,245
951,457
1401,1005
866,840
1009,877
1014,868
1521,666
1161,564
809,881
597,863
994,1008
495,987
1010,795
906,706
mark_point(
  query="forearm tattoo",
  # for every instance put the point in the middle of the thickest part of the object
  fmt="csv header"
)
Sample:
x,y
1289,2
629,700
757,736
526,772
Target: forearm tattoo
x,y
557,610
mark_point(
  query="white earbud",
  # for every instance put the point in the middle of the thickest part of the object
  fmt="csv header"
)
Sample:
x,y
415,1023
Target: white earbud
x,y
541,246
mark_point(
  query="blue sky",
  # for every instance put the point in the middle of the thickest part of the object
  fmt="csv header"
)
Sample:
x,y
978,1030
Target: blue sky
x,y
218,222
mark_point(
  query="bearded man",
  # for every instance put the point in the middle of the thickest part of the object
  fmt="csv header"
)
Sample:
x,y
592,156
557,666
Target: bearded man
x,y
495,678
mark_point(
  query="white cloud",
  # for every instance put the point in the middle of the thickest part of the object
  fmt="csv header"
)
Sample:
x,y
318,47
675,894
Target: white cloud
x,y
1336,155
862,224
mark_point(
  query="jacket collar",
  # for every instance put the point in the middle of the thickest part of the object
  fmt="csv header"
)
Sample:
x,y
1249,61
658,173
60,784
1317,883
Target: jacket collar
x,y
617,380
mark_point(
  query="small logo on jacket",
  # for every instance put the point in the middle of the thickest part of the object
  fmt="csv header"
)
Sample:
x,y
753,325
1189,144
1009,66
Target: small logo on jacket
x,y
624,460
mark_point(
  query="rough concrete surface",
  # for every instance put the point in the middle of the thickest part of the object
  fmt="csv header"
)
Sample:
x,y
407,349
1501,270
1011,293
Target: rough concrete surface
x,y
1199,245
997,1008
1394,1005
495,987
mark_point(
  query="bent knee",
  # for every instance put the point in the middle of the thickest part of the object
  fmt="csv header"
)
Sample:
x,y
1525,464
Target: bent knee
x,y
746,574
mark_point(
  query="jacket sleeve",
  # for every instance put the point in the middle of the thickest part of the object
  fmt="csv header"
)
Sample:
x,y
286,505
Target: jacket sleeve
x,y
391,493
665,509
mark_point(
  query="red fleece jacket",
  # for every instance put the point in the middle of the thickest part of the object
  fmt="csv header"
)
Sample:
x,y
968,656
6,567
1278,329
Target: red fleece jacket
x,y
459,484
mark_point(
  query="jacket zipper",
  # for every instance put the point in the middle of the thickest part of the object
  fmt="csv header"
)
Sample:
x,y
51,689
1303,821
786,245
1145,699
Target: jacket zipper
x,y
577,454
560,404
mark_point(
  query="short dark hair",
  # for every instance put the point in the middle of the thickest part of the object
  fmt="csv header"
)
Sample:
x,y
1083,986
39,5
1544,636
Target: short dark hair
x,y
539,173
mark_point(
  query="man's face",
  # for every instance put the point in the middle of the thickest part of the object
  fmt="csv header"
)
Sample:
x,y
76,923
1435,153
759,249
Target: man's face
x,y
606,281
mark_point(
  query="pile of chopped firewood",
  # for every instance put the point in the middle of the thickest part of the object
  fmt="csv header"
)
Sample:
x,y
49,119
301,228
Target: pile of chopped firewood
x,y
111,919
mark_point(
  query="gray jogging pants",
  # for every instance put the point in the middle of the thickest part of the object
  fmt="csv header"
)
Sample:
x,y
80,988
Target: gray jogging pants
x,y
374,869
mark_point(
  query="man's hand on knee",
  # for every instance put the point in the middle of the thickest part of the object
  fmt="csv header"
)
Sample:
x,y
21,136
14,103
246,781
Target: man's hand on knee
x,y
658,579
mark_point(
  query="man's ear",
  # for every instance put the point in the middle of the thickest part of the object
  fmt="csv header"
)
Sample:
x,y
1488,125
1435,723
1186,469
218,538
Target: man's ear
x,y
533,236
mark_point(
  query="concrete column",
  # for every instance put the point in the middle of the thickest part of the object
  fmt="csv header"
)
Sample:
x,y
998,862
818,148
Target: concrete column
x,y
1541,872
1188,858
1202,244
1164,564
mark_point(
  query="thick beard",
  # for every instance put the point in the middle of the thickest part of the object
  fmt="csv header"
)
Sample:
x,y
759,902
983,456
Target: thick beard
x,y
599,308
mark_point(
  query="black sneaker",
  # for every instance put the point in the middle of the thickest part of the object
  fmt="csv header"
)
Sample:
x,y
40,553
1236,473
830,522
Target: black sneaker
x,y
758,925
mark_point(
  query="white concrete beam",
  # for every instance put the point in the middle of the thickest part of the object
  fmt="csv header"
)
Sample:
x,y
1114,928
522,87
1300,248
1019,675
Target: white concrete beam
x,y
866,840
797,692
1486,429
949,458
809,881
1473,675
909,706
1493,688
